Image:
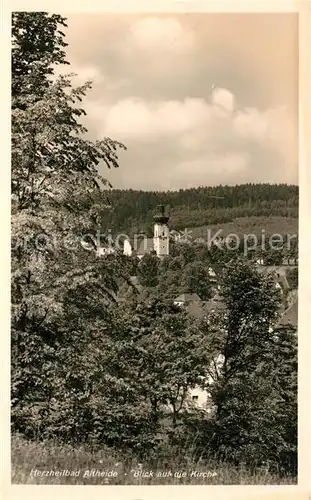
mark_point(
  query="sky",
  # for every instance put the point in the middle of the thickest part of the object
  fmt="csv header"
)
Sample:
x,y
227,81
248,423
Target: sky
x,y
198,99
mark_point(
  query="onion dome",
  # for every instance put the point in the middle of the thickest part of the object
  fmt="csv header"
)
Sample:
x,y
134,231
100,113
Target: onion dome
x,y
160,217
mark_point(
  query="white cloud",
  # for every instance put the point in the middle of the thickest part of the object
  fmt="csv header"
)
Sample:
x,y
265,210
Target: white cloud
x,y
223,98
211,138
137,118
144,69
195,122
161,33
204,169
271,125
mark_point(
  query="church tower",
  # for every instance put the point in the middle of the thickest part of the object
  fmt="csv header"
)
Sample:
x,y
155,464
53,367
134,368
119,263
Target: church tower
x,y
161,232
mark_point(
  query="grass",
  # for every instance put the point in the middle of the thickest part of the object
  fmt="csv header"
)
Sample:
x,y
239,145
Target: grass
x,y
250,225
29,459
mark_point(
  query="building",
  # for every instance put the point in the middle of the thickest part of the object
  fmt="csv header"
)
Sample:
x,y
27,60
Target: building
x,y
127,247
161,237
280,276
159,244
200,396
290,314
140,244
215,303
186,299
199,308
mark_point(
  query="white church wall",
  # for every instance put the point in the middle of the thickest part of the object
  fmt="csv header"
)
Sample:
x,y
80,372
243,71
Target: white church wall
x,y
161,240
127,248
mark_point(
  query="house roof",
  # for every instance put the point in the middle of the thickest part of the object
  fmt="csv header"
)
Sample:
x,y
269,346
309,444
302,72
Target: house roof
x,y
290,316
136,284
195,309
280,274
134,280
292,282
201,308
104,250
211,272
214,304
279,270
187,297
282,280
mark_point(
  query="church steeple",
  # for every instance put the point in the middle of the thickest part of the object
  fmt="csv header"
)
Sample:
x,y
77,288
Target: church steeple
x,y
161,232
160,217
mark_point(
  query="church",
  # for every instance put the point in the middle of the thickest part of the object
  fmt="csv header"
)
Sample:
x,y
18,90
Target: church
x,y
160,242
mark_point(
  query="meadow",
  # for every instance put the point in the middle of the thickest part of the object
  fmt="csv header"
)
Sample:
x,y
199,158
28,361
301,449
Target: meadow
x,y
250,225
105,466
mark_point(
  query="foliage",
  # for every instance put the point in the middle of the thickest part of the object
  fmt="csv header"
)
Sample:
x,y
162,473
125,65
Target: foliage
x,y
292,277
147,270
195,207
155,357
255,387
54,181
196,279
37,46
115,381
87,366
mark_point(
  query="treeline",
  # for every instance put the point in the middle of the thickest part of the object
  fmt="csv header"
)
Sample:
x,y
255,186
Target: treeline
x,y
131,210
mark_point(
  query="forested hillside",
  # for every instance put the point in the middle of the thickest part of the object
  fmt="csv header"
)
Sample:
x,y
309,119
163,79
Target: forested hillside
x,y
129,210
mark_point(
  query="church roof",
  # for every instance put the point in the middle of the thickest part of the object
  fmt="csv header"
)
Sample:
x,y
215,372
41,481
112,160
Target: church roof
x,y
161,217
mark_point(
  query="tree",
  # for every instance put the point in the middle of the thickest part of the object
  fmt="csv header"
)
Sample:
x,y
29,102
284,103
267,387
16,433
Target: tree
x,y
177,263
116,382
274,257
285,376
156,351
292,277
194,207
169,285
186,250
37,46
54,183
196,279
147,270
164,265
249,392
54,177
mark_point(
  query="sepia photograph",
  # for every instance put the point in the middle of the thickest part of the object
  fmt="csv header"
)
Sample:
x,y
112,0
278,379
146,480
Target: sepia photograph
x,y
154,248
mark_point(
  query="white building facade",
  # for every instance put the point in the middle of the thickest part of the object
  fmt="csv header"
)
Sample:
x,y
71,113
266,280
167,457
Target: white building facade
x,y
159,244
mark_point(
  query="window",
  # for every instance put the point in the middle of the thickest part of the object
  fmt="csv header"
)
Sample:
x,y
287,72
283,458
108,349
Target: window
x,y
195,398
